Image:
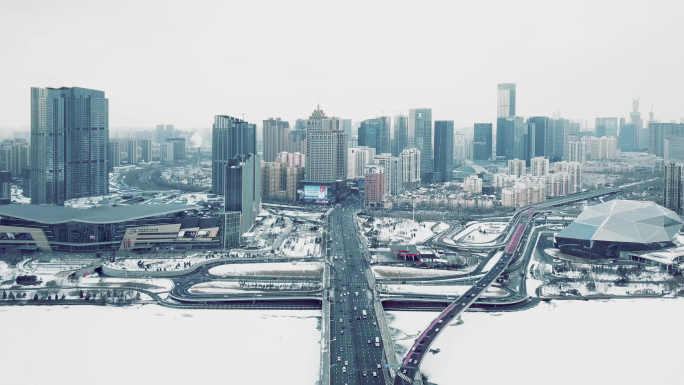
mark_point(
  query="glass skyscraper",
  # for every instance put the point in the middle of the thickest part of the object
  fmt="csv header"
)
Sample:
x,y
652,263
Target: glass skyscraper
x,y
69,143
482,144
444,151
230,137
505,108
420,137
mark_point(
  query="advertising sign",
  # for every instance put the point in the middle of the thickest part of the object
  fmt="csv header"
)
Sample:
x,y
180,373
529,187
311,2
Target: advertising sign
x,y
317,193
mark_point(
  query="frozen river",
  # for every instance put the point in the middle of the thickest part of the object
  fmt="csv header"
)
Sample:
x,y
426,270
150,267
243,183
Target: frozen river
x,y
565,342
155,345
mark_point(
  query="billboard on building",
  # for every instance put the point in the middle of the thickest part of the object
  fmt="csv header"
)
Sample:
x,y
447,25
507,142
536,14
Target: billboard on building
x,y
316,193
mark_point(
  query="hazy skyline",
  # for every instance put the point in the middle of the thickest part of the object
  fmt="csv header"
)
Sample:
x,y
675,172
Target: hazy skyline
x,y
182,63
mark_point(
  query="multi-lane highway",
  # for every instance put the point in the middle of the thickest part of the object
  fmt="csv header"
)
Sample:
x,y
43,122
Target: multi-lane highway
x,y
355,356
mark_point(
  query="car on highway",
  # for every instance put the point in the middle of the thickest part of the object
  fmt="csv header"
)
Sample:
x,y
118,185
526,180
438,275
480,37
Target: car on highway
x,y
365,374
339,358
375,374
378,366
344,369
346,363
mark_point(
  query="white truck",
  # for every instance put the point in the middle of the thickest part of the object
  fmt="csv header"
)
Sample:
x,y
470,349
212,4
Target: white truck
x,y
364,314
377,341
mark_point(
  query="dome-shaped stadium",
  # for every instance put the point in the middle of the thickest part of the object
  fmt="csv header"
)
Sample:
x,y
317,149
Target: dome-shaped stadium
x,y
606,229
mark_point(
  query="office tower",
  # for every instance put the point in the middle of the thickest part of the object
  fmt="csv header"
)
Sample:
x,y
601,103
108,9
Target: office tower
x,y
516,167
347,127
400,134
145,150
482,143
657,134
515,138
541,127
635,115
385,160
606,127
673,187
629,136
297,138
420,137
69,137
444,151
114,154
577,150
357,159
242,187
472,185
276,138
170,132
374,195
410,165
160,134
462,148
505,108
178,149
230,137
375,133
673,150
396,176
557,137
326,152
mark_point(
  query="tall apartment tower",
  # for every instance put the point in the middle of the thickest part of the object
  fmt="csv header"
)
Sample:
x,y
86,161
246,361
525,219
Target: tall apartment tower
x,y
400,141
374,193
114,154
69,140
557,138
410,159
482,144
160,134
541,128
673,187
145,150
444,151
505,108
276,138
326,148
420,137
130,146
658,132
230,137
539,166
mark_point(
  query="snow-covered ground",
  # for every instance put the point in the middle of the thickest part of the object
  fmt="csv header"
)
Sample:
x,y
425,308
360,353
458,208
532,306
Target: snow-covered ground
x,y
248,287
18,196
455,290
301,243
410,272
166,264
553,343
493,261
284,269
398,230
160,345
155,285
481,232
441,227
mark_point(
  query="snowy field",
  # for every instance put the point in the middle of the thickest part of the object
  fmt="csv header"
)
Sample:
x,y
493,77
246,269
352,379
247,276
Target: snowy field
x,y
154,264
410,272
249,287
481,232
155,285
455,290
284,269
397,230
562,343
159,345
301,243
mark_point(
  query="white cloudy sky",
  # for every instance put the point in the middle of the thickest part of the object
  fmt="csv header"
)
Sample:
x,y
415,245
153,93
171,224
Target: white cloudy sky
x,y
182,62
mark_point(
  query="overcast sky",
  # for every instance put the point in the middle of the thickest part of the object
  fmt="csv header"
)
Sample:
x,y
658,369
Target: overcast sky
x,y
181,62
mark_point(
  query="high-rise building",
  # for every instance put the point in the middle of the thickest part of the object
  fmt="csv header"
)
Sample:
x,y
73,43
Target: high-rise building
x,y
674,150
178,148
374,193
357,159
541,128
276,138
444,151
577,151
230,137
482,142
606,127
420,137
130,147
557,138
673,187
279,181
410,159
114,154
539,166
601,148
657,134
462,148
170,132
145,150
242,187
293,159
505,108
326,153
574,169
472,185
516,138
160,134
347,127
14,156
375,133
69,140
400,134
516,167
629,136
385,160
297,138
396,176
